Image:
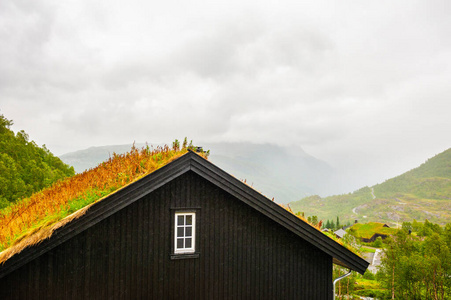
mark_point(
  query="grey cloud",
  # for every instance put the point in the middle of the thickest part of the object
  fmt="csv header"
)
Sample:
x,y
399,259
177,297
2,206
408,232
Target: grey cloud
x,y
226,51
339,80
22,43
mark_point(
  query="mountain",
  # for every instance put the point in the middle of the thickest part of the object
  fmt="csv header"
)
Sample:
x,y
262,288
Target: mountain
x,y
421,193
431,180
285,173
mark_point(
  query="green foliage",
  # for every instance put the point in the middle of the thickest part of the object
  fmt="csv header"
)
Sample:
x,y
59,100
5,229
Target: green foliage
x,y
428,228
417,268
369,275
25,168
332,225
407,226
313,220
378,242
345,286
416,226
356,286
327,225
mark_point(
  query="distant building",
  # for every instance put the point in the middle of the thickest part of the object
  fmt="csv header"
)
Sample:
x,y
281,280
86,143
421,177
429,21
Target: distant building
x,y
340,233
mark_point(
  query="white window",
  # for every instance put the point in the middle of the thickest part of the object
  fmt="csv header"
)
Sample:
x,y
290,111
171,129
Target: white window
x,y
184,232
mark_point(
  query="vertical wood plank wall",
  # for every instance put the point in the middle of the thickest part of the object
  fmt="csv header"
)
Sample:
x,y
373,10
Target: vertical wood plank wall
x,y
242,255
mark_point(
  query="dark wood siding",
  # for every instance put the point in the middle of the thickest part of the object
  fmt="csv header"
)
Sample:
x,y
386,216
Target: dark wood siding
x,y
242,255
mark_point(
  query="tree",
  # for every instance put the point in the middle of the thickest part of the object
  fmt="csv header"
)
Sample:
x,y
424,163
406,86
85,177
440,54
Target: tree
x,y
5,124
327,224
24,166
437,265
332,224
313,220
447,235
395,248
378,242
407,226
416,226
416,267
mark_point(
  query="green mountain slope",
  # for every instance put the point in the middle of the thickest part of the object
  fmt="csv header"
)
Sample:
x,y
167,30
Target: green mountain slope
x,y
24,167
422,193
431,180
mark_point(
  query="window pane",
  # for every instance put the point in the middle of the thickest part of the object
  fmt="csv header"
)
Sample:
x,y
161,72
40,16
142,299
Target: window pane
x,y
188,231
179,231
184,232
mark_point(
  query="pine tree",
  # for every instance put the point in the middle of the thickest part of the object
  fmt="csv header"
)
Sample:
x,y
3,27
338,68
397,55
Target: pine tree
x,y
327,224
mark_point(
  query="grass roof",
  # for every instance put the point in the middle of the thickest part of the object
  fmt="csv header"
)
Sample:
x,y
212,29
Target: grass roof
x,y
369,229
34,219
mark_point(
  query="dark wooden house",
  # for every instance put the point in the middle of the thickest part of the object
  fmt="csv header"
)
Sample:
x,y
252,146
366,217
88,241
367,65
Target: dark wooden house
x,y
186,231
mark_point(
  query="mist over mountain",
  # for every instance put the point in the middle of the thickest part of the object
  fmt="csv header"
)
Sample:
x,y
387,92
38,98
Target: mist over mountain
x,y
285,173
281,172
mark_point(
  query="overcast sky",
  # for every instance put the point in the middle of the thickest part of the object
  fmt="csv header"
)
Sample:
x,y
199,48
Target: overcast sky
x,y
359,84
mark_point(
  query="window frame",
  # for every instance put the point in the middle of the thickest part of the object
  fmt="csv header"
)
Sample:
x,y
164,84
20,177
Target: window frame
x,y
184,250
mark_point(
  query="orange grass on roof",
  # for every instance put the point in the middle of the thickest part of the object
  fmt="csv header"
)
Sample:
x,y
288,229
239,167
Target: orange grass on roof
x,y
34,219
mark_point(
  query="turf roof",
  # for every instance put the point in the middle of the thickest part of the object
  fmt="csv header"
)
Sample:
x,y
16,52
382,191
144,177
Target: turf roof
x,y
369,229
34,219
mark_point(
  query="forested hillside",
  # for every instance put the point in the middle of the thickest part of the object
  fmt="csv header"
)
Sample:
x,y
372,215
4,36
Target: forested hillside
x,y
431,180
420,194
24,166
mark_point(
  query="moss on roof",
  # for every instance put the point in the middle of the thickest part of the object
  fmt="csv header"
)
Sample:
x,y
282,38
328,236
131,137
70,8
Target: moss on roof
x,y
34,219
